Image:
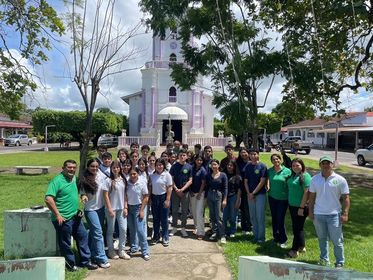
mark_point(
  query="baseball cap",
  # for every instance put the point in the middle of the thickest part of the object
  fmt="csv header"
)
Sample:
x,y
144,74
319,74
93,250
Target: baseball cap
x,y
326,158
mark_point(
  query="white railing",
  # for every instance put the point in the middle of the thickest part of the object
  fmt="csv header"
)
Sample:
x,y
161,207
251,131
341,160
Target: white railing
x,y
160,64
141,140
208,141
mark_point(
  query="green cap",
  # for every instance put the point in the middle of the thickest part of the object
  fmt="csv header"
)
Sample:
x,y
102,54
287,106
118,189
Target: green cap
x,y
326,158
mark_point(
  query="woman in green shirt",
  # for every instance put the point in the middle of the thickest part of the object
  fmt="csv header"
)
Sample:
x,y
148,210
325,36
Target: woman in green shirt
x,y
278,198
298,185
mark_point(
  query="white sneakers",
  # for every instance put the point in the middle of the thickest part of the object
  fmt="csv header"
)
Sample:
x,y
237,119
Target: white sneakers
x,y
223,240
104,265
124,255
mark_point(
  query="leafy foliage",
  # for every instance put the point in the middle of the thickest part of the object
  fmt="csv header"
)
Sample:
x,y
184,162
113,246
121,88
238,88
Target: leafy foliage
x,y
329,46
28,27
234,52
73,123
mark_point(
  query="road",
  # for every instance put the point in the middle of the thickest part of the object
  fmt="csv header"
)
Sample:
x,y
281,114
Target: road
x,y
25,148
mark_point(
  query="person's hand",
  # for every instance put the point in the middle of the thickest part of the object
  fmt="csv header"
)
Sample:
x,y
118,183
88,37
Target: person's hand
x,y
300,212
125,212
166,203
251,196
141,214
60,220
198,196
111,213
344,218
224,203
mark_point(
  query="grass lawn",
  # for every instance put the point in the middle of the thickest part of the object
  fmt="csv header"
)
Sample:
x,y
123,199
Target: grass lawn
x,y
18,192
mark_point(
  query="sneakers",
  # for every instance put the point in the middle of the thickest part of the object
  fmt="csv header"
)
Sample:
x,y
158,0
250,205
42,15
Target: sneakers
x,y
184,233
284,246
124,255
91,266
73,268
232,235
338,265
173,231
104,265
146,257
248,233
292,254
200,237
165,243
153,242
213,236
112,255
223,240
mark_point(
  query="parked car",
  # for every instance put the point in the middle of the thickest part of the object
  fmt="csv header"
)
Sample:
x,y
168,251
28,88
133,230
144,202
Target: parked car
x,y
108,140
17,140
295,143
364,156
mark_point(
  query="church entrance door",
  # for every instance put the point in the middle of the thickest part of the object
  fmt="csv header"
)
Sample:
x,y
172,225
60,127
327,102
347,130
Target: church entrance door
x,y
177,128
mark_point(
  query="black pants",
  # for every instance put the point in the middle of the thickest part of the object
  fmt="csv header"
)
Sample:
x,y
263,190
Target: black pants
x,y
298,227
278,212
245,214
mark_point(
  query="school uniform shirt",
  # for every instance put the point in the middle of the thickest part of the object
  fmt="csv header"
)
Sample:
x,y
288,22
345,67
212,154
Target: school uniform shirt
x,y
277,183
218,184
234,184
136,191
254,173
328,193
198,176
296,189
181,173
96,201
160,182
116,192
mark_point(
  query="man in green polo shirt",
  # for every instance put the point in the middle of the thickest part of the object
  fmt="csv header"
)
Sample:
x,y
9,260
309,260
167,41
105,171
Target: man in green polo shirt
x,y
63,200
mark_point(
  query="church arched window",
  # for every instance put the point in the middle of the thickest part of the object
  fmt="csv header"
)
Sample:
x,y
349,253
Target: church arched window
x,y
172,95
173,57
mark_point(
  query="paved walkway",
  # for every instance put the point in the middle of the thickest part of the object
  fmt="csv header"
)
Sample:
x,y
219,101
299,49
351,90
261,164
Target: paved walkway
x,y
185,258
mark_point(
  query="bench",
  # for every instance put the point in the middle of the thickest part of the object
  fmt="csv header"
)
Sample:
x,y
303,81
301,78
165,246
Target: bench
x,y
44,169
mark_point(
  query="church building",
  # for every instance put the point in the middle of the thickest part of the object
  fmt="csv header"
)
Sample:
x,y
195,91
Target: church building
x,y
160,102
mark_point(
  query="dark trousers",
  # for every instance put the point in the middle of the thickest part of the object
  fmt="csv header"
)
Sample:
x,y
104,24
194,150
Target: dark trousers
x,y
298,227
278,212
214,199
75,228
160,217
245,214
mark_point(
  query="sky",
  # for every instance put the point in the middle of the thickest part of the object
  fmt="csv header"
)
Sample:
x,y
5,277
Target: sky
x,y
59,92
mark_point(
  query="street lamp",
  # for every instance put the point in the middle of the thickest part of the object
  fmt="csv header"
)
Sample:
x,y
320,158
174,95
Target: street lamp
x,y
46,136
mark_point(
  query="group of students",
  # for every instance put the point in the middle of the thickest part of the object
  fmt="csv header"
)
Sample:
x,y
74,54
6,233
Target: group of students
x,y
126,190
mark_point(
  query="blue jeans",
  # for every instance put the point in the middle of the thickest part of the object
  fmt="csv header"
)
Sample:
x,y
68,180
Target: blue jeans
x,y
96,238
76,229
257,216
330,226
230,215
214,199
136,227
122,226
278,212
160,217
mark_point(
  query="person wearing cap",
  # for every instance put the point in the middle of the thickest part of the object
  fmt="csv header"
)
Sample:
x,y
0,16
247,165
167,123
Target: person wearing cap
x,y
327,190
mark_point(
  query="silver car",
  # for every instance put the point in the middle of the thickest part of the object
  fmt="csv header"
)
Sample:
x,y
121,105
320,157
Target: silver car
x,y
364,156
17,140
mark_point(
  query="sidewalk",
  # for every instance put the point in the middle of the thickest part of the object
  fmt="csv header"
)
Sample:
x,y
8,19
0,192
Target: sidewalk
x,y
185,258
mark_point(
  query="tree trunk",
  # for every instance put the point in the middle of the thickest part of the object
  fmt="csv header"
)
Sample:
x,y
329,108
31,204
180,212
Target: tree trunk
x,y
87,137
238,138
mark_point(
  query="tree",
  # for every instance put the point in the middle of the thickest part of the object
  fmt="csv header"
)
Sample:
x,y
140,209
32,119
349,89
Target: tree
x,y
27,27
99,51
293,111
329,47
234,52
74,123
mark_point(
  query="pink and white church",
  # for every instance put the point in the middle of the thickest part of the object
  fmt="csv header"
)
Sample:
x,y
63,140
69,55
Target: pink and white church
x,y
161,102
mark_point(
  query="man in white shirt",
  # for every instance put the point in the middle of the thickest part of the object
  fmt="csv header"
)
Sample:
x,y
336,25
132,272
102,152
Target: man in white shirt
x,y
327,189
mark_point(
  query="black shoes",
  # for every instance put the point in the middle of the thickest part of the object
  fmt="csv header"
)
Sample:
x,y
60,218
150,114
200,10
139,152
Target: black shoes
x,y
91,266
